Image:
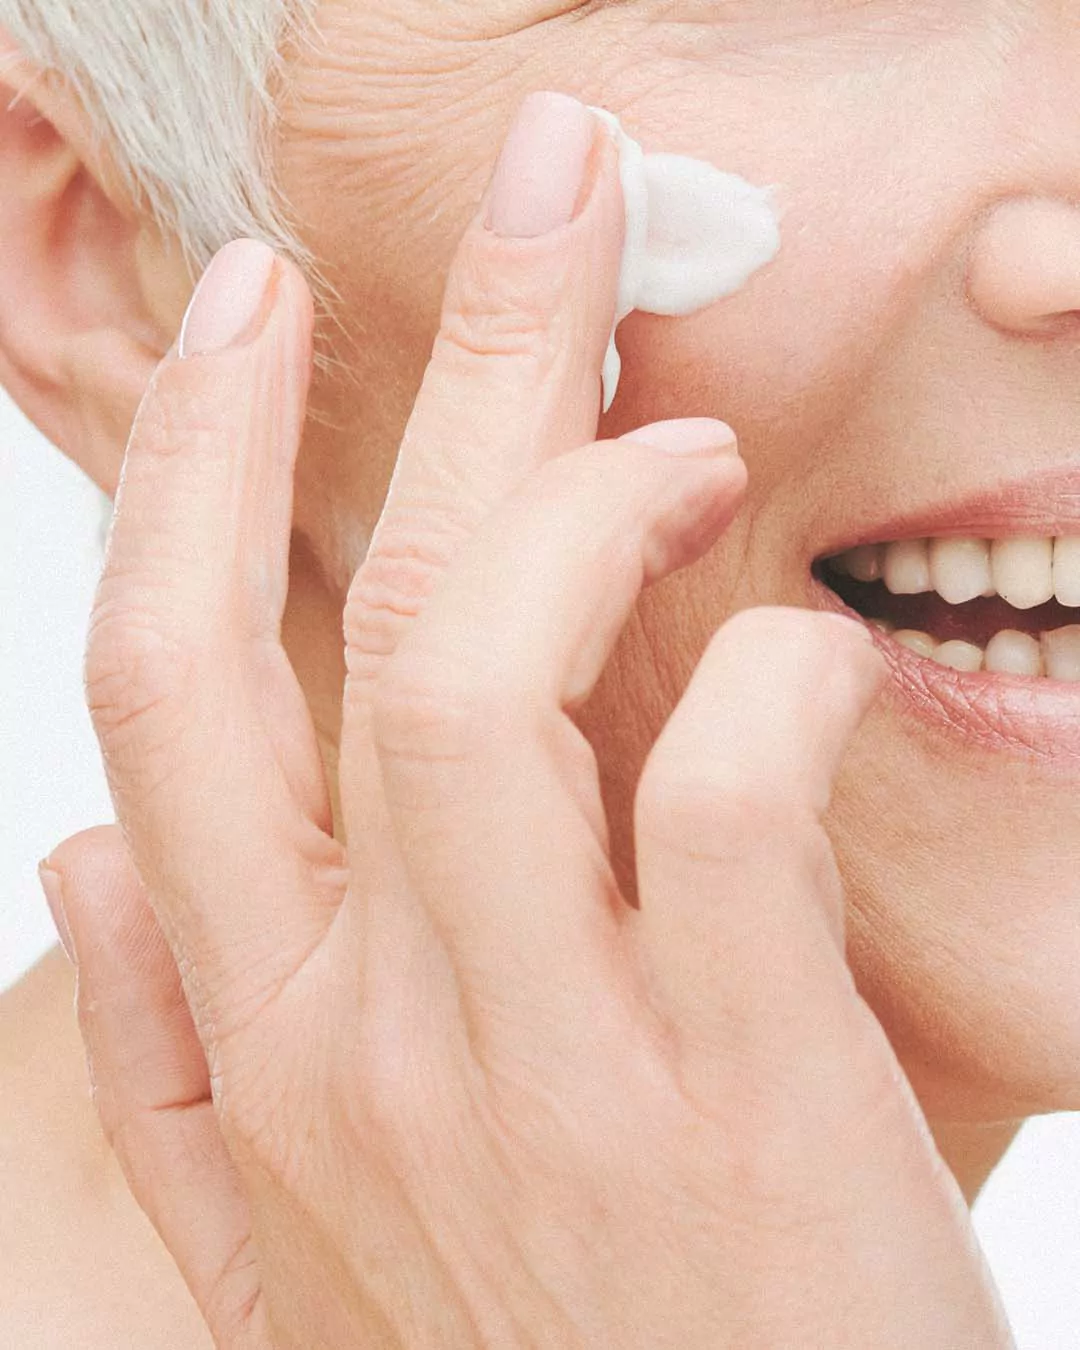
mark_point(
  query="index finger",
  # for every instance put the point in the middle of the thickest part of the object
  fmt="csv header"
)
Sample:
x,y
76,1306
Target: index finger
x,y
514,376
514,380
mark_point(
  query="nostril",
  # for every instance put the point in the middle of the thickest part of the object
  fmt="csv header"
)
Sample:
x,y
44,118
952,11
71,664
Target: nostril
x,y
1065,324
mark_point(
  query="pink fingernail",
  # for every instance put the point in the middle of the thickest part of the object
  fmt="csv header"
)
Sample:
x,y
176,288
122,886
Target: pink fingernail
x,y
53,886
541,170
228,300
687,436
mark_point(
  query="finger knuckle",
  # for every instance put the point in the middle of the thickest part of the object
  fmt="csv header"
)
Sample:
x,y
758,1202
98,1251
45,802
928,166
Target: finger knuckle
x,y
137,673
515,326
424,714
513,338
764,624
174,420
812,1115
864,1080
693,808
394,1096
802,640
391,588
233,1300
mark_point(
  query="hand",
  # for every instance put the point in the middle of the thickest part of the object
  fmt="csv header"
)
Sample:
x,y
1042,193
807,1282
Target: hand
x,y
444,1087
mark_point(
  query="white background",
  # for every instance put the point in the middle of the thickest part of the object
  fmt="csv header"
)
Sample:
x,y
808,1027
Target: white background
x,y
51,786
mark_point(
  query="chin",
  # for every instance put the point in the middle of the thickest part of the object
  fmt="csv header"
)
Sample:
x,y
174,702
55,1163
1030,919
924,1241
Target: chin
x,y
962,874
956,819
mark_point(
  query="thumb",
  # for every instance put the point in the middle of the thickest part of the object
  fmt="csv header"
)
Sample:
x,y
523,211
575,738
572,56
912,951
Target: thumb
x,y
150,1079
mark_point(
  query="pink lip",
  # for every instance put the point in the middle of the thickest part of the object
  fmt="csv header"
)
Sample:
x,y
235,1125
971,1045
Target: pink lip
x,y
1037,720
1044,503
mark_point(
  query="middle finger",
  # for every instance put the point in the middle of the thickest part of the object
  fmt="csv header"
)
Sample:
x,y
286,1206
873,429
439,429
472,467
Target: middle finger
x,y
491,792
514,379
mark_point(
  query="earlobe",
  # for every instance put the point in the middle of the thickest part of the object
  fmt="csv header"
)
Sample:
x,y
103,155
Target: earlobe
x,y
79,335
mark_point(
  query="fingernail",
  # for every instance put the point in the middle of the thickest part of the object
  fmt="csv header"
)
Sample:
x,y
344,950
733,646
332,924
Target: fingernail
x,y
52,885
228,300
541,170
688,436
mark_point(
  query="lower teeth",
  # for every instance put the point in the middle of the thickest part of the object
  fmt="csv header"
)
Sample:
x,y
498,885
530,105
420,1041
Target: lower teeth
x,y
1054,655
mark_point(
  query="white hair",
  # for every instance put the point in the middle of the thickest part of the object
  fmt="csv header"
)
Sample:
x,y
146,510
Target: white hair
x,y
182,93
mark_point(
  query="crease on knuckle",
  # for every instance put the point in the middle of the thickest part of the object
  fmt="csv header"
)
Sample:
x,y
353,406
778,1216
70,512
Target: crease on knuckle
x,y
407,1101
710,816
136,675
520,339
423,716
393,1099
184,1128
391,589
172,423
801,1130
233,1298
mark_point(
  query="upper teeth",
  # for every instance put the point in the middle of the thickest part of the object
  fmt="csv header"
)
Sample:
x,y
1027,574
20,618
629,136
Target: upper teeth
x,y
1024,572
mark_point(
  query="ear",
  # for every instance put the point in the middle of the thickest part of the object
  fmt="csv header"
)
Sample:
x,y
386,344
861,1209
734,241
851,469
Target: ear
x,y
91,296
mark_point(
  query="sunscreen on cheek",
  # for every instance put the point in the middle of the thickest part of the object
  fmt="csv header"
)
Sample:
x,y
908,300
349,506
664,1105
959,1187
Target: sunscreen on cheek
x,y
694,235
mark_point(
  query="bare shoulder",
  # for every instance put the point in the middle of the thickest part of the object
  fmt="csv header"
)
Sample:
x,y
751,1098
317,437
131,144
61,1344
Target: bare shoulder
x,y
80,1264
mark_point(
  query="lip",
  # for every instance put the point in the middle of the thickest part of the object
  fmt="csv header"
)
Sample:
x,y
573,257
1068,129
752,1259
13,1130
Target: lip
x,y
1046,503
1033,720
1037,720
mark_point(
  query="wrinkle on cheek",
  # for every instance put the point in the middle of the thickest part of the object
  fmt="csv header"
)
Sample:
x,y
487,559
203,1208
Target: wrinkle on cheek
x,y
795,42
406,119
477,20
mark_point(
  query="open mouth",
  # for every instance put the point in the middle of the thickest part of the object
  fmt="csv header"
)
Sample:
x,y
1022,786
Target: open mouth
x,y
1007,606
975,606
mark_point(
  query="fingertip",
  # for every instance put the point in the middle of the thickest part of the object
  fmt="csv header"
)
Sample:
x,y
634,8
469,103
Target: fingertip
x,y
52,884
540,182
96,900
855,630
88,854
246,296
233,300
699,496
93,889
829,660
687,436
862,655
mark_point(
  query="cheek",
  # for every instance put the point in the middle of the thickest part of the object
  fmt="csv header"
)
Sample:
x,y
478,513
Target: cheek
x,y
870,216
386,184
787,358
783,362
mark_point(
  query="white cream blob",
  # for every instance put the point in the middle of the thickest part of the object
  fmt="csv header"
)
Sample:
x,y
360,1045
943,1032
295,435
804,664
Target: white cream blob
x,y
694,235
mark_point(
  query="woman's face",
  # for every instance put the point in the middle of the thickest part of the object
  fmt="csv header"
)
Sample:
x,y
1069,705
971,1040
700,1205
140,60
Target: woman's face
x,y
908,367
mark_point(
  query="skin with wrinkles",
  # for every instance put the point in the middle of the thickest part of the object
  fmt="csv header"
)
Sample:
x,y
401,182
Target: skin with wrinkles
x,y
438,1084
868,372
914,342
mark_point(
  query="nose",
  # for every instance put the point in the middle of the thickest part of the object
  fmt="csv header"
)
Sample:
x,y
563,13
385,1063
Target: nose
x,y
1024,267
